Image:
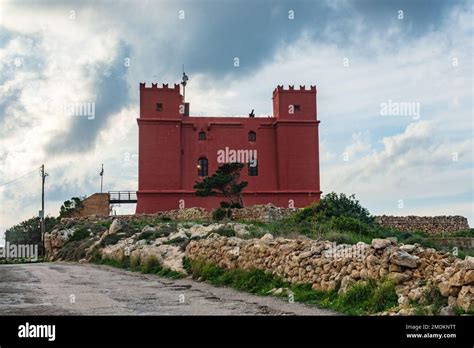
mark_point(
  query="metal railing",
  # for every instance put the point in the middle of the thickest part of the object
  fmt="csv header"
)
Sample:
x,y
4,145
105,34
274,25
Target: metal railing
x,y
122,197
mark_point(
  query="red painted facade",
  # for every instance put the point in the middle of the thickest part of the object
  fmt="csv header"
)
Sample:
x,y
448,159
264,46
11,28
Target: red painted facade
x,y
170,146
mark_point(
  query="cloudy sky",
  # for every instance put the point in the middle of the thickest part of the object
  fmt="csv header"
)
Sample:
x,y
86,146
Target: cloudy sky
x,y
361,55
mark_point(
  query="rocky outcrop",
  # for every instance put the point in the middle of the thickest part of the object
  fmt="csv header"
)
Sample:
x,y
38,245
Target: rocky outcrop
x,y
55,240
414,269
328,266
169,249
430,224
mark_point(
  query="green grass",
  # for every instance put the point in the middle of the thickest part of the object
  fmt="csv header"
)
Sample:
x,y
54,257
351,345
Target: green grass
x,y
434,298
163,230
150,266
80,234
74,250
181,241
344,230
105,224
225,231
365,297
111,239
460,311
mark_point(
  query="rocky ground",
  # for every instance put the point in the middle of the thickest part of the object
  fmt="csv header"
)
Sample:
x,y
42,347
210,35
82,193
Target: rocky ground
x,y
75,289
426,281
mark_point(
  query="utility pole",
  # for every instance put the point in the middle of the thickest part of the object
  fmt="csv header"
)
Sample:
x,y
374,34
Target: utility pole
x,y
43,178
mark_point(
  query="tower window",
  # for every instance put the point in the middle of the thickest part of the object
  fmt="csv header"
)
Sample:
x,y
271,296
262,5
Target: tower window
x,y
202,166
253,168
252,136
202,136
159,106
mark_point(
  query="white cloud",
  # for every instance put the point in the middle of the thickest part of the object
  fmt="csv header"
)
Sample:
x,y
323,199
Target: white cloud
x,y
390,158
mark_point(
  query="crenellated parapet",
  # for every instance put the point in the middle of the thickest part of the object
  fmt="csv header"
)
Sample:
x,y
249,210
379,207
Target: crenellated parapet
x,y
291,88
154,86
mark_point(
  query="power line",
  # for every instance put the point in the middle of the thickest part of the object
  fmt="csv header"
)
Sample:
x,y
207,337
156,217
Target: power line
x,y
20,177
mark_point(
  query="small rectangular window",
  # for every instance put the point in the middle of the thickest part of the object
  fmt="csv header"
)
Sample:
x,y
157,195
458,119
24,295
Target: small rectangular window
x,y
253,168
159,106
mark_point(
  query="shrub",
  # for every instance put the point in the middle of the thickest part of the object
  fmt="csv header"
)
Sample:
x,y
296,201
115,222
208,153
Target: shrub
x,y
434,297
151,265
384,297
163,230
339,238
177,241
221,214
71,206
105,224
29,231
350,224
225,231
110,239
80,234
334,205
235,205
135,263
358,295
74,250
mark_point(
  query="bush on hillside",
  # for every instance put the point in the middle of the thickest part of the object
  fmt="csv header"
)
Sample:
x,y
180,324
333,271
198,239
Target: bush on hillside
x,y
336,206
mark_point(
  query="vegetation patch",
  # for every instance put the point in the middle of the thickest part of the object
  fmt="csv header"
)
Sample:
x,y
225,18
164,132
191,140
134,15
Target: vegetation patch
x,y
151,265
181,241
29,231
220,214
431,303
74,250
80,234
225,231
111,239
160,231
362,298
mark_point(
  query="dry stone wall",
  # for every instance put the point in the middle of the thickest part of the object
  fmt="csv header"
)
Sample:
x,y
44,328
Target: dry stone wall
x,y
428,224
260,213
328,266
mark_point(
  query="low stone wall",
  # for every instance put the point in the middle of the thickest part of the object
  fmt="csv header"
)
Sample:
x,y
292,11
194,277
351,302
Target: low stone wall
x,y
97,204
260,213
328,266
459,242
428,224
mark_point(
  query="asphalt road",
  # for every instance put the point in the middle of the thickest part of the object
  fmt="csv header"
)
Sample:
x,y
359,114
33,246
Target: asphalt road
x,y
84,289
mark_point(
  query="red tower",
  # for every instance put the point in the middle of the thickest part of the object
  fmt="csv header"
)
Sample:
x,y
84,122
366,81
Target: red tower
x,y
281,153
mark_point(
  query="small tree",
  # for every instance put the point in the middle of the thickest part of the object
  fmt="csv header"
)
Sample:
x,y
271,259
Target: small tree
x,y
70,206
224,182
28,231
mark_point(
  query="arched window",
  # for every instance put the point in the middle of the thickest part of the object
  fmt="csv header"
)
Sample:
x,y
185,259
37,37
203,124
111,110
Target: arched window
x,y
252,136
202,136
253,167
202,166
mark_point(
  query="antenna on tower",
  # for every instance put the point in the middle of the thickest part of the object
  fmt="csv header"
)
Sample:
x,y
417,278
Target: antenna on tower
x,y
184,82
